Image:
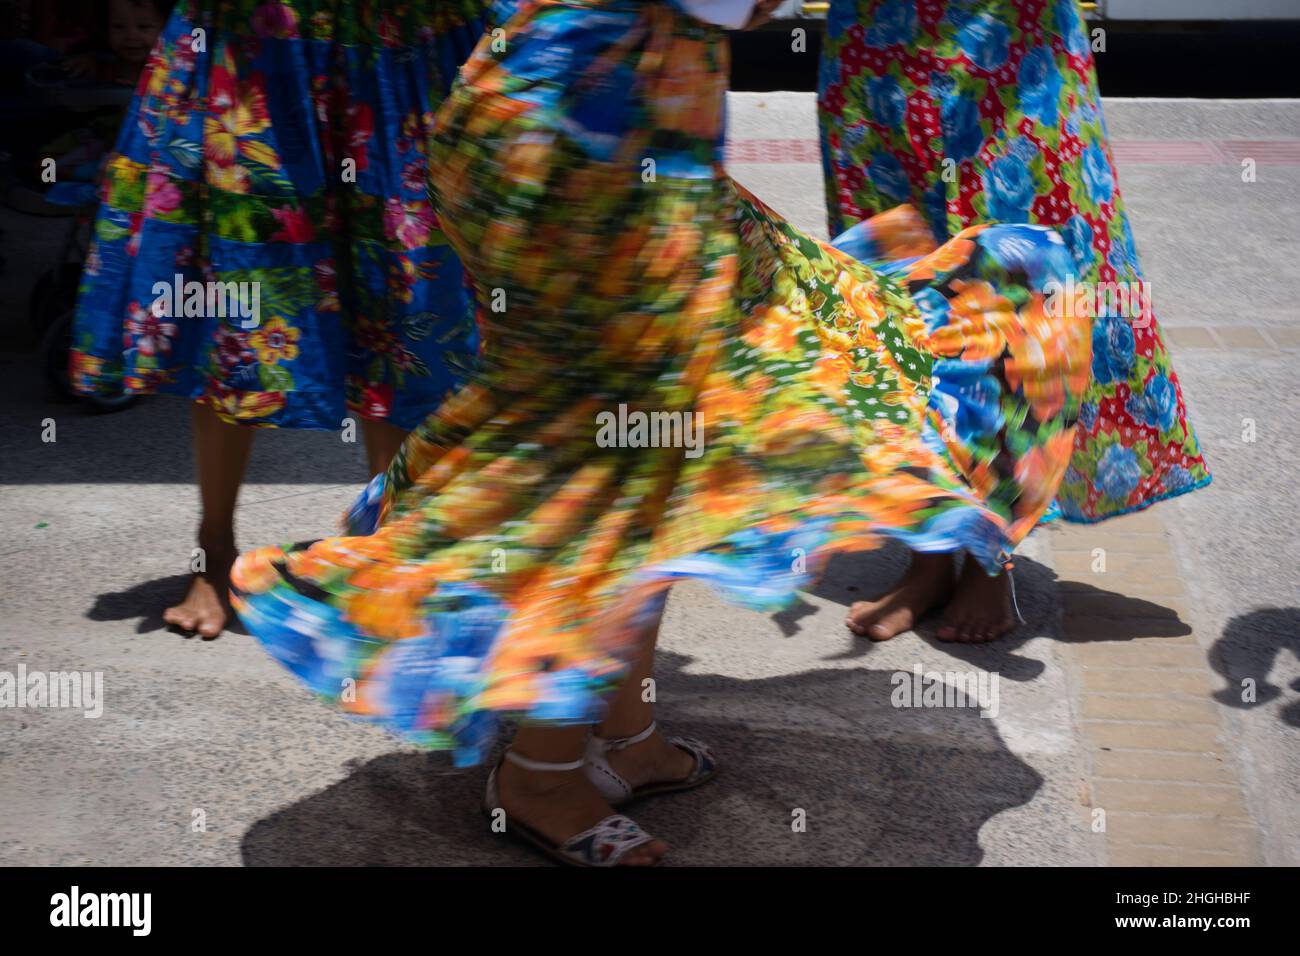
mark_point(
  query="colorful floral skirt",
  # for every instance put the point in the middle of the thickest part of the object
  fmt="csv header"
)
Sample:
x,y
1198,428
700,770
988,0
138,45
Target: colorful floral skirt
x,y
278,151
676,383
988,111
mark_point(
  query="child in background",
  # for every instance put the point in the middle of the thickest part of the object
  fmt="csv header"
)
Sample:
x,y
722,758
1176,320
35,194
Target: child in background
x,y
129,29
91,89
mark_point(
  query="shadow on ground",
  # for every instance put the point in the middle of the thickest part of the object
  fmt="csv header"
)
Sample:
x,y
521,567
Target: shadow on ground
x,y
148,443
892,788
1246,651
849,578
145,602
868,574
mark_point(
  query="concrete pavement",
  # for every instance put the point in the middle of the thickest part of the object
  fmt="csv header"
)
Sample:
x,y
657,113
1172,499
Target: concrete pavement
x,y
1140,716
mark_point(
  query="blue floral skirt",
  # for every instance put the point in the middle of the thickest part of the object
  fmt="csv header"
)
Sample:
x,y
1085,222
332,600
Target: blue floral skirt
x,y
266,242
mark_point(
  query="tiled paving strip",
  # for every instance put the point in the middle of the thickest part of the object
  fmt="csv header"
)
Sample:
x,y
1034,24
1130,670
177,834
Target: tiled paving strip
x,y
1233,337
1160,767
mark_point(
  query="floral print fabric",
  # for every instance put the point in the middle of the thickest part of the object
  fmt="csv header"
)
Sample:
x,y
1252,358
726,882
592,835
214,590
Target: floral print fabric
x,y
988,111
510,558
287,148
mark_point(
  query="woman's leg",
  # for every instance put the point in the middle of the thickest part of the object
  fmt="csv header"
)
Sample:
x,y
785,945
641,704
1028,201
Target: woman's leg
x,y
382,441
654,759
560,804
220,456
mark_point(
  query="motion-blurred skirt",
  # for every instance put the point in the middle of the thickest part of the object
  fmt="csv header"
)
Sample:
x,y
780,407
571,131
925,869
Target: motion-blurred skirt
x,y
284,144
988,111
676,384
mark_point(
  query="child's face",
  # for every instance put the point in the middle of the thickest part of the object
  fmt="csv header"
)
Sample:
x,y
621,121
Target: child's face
x,y
132,29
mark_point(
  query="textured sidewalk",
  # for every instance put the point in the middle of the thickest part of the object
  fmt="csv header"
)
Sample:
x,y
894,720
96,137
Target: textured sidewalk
x,y
1164,782
1125,731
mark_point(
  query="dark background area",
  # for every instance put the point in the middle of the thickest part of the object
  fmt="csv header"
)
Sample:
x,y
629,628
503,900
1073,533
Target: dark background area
x,y
1216,60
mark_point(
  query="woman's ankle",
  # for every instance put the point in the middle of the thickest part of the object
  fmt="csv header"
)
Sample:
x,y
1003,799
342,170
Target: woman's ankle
x,y
934,561
623,728
537,784
218,541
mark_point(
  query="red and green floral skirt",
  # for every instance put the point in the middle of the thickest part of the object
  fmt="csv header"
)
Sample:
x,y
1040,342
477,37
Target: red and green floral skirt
x,y
988,111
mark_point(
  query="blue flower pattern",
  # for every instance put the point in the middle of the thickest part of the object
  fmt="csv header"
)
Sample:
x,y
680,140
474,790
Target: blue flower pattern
x,y
1008,96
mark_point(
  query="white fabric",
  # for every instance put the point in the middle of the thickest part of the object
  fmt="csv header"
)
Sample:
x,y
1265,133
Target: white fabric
x,y
732,14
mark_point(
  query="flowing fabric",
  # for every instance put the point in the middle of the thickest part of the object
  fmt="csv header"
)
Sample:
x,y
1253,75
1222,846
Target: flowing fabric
x,y
676,383
988,111
283,145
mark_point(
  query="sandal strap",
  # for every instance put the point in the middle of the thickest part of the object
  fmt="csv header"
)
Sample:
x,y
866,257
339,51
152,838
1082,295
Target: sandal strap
x,y
611,784
527,764
705,762
603,845
620,743
615,788
607,842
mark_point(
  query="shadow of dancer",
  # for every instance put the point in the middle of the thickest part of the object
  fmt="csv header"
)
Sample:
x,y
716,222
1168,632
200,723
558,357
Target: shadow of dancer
x,y
146,601
1248,650
1041,596
876,784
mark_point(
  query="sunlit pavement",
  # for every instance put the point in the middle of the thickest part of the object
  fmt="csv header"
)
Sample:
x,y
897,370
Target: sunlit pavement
x,y
207,753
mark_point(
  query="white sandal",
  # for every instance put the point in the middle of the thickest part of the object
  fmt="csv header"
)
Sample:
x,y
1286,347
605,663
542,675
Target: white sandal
x,y
603,845
616,790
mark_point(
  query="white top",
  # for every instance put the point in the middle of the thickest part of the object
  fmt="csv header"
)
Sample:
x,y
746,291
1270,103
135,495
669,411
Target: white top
x,y
732,14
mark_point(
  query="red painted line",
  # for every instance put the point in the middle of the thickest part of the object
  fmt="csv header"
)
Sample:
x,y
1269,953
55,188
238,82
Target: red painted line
x,y
773,151
1280,152
1175,152
1275,152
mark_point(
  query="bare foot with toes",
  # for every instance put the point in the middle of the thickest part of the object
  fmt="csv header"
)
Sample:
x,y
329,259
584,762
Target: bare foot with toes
x,y
980,608
926,584
205,609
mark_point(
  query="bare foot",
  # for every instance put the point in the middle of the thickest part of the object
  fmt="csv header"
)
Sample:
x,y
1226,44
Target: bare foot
x,y
205,609
925,584
561,804
653,760
980,609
